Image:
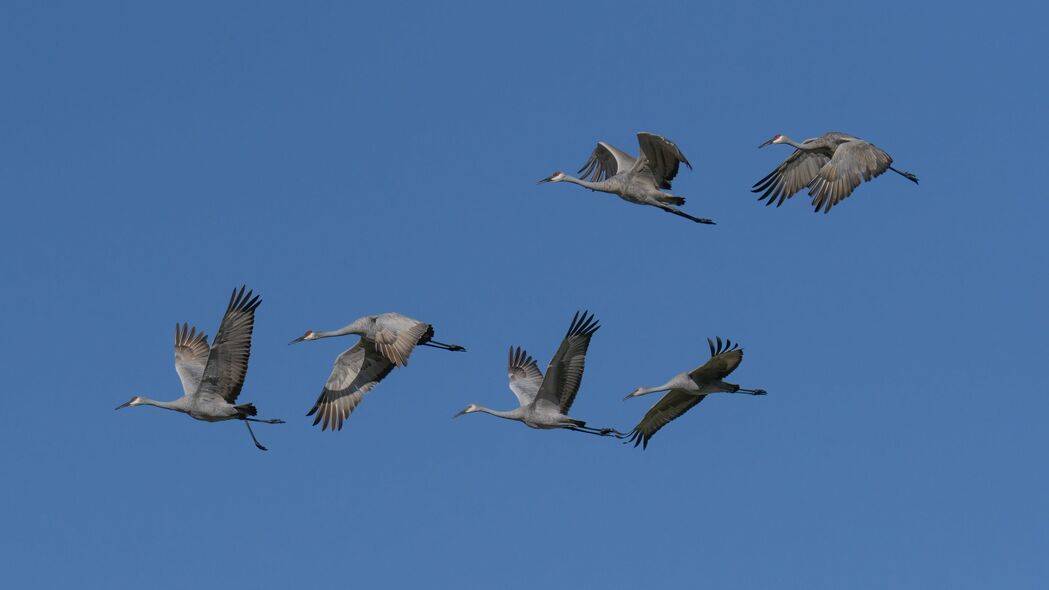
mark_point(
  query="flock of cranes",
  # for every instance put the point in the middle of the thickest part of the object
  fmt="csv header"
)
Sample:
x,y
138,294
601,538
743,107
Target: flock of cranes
x,y
830,166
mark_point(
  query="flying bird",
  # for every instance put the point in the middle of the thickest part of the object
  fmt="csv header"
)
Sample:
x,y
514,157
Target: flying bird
x,y
688,389
831,166
386,342
212,377
544,402
610,170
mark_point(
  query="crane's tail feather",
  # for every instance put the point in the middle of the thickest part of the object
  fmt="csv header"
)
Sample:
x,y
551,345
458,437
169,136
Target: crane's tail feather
x,y
246,409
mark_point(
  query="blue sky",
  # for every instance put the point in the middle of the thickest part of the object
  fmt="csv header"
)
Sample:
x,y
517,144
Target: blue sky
x,y
350,159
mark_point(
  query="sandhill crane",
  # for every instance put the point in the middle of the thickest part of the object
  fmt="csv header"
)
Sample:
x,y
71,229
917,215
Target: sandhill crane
x,y
688,389
831,166
386,342
213,377
639,181
544,402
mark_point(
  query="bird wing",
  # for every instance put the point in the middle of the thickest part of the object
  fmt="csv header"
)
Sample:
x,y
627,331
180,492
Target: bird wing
x,y
670,406
663,157
854,161
228,360
724,358
605,162
191,356
355,372
397,336
524,374
565,372
794,174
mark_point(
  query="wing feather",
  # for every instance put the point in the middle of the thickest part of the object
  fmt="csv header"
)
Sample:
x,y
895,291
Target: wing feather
x,y
794,174
191,356
663,157
524,374
355,372
396,343
675,403
228,360
565,373
605,162
854,161
724,358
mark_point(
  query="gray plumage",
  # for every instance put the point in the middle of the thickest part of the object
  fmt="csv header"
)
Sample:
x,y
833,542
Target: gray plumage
x,y
831,166
544,402
688,389
387,340
212,377
637,180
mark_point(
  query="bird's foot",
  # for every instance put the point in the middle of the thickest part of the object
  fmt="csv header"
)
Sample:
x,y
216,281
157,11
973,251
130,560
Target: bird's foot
x,y
260,447
759,392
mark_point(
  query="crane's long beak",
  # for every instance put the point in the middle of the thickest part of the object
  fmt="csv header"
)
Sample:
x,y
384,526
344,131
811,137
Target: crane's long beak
x,y
769,142
630,395
547,179
299,339
461,412
123,405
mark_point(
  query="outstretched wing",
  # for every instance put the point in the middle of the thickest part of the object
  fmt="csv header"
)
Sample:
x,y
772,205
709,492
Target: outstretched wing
x,y
724,358
854,161
228,360
668,408
663,157
356,371
525,376
191,356
565,372
794,174
605,162
397,336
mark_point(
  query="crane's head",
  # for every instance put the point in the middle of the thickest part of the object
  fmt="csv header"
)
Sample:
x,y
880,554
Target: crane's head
x,y
470,409
555,177
309,335
134,401
775,139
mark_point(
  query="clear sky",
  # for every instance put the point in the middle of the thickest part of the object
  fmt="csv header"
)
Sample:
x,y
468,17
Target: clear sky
x,y
351,159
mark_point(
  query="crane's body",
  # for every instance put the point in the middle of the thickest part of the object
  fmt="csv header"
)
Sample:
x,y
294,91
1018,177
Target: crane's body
x,y
831,166
212,377
685,390
386,341
544,401
635,180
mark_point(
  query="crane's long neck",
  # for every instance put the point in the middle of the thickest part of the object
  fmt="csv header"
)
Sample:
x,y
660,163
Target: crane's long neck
x,y
354,328
511,415
800,146
594,186
145,401
664,387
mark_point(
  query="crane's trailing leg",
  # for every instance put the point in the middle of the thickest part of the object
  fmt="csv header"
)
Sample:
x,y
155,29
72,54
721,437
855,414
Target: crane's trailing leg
x,y
443,346
253,439
681,213
597,431
751,391
906,175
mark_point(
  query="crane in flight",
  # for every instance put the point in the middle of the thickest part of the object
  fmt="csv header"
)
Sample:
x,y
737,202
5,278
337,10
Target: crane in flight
x,y
688,389
212,377
386,341
636,180
831,166
544,402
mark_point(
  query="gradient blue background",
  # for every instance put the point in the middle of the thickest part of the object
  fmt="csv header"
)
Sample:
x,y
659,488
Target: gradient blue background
x,y
350,159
